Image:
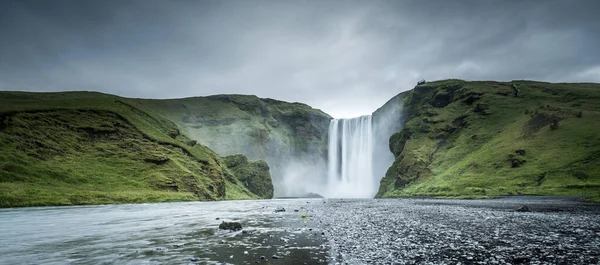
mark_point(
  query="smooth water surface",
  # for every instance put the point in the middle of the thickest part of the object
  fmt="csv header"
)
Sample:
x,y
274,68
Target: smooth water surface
x,y
163,233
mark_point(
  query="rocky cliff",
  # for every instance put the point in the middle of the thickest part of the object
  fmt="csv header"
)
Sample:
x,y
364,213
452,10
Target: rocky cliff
x,y
482,139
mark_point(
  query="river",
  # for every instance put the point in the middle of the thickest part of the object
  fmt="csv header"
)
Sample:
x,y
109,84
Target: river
x,y
310,231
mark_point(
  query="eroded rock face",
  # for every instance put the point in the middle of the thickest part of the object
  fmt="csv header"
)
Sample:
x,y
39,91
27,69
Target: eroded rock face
x,y
253,174
421,108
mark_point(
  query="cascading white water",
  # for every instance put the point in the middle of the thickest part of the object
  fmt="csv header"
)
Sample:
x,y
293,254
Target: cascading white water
x,y
350,158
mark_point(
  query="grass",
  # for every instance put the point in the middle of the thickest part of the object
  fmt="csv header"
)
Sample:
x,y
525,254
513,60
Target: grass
x,y
91,148
262,129
253,174
454,151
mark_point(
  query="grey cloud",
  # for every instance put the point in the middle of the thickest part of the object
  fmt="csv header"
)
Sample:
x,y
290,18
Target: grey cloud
x,y
345,57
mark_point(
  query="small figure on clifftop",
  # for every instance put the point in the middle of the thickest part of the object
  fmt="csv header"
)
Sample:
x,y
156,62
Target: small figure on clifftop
x,y
421,82
515,89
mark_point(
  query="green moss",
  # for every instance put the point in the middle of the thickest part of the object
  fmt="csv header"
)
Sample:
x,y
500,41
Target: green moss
x,y
262,129
90,148
480,141
254,175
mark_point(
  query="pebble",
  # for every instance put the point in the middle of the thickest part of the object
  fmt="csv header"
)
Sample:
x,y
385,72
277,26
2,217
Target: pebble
x,y
424,231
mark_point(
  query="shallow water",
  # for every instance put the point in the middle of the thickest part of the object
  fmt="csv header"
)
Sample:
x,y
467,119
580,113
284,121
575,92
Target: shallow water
x,y
163,233
393,231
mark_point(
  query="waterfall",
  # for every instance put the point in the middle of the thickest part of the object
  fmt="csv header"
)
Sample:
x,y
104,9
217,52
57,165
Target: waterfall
x,y
350,158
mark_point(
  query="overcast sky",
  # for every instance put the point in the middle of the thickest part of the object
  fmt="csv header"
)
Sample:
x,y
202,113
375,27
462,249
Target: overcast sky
x,y
344,57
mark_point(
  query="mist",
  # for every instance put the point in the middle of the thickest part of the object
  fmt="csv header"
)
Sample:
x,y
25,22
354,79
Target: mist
x,y
303,177
387,120
359,153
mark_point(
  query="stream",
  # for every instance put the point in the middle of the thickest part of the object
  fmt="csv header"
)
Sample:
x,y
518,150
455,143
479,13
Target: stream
x,y
310,231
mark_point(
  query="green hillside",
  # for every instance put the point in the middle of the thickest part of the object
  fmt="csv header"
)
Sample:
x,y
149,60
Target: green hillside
x,y
91,148
281,133
456,139
477,139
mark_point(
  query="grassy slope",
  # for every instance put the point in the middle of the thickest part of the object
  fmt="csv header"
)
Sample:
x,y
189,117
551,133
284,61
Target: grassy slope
x,y
253,174
438,153
264,129
89,148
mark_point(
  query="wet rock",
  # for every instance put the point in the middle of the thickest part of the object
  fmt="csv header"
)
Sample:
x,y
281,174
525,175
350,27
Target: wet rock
x,y
233,226
217,218
262,257
296,210
275,257
523,208
279,209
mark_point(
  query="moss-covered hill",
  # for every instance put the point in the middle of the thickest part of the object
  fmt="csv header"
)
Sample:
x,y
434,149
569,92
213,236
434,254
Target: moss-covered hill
x,y
253,174
281,133
90,148
479,139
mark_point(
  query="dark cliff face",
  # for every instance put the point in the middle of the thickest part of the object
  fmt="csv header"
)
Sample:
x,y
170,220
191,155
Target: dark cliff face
x,y
281,133
481,139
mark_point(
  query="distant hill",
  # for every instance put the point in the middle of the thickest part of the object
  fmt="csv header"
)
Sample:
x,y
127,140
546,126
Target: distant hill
x,y
92,148
481,139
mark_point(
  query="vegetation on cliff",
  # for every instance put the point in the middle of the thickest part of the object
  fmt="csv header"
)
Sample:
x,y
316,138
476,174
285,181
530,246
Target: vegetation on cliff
x,y
91,148
254,175
483,139
281,133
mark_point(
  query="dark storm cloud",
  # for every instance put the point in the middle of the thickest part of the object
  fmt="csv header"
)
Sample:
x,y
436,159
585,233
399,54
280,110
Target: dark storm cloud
x,y
345,57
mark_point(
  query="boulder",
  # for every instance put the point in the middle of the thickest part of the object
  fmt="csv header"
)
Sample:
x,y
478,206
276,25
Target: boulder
x,y
516,162
280,209
233,226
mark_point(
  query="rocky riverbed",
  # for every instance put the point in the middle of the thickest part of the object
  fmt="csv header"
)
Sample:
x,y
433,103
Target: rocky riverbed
x,y
413,231
310,231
